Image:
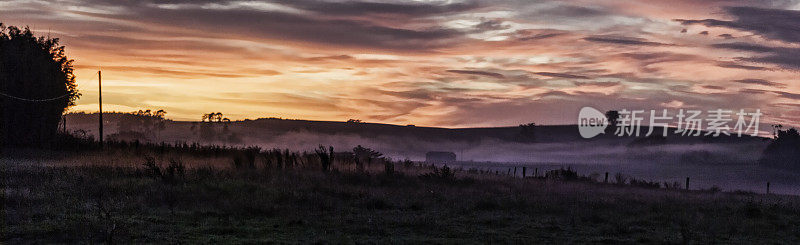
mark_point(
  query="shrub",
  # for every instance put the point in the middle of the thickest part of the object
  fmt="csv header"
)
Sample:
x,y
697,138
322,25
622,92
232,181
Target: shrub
x,y
173,174
713,189
389,168
408,163
444,174
673,186
644,183
151,167
562,174
620,179
325,158
176,172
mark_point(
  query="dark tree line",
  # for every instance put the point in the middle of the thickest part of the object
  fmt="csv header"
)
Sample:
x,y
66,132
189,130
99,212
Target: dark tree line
x,y
209,128
142,125
38,85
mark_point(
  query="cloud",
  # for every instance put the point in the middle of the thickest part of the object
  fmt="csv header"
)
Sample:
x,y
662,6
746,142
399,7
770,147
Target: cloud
x,y
782,94
649,58
527,36
623,40
444,63
733,65
753,91
320,28
788,95
715,87
560,75
785,57
761,82
744,47
480,73
407,9
597,84
776,24
188,74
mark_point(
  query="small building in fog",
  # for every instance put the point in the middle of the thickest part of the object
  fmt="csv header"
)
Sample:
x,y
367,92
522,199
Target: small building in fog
x,y
440,157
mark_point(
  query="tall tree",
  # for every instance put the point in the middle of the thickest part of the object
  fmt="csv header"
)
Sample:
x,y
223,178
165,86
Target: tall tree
x,y
37,86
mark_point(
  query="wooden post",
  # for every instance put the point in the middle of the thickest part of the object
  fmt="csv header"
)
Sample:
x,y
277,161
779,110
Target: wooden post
x,y
687,183
536,172
524,169
100,102
509,171
515,171
767,187
606,181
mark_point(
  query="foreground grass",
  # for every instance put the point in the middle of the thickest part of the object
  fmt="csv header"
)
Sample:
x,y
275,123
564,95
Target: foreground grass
x,y
44,202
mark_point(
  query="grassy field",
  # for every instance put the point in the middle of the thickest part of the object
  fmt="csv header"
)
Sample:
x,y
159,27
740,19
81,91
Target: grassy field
x,y
115,197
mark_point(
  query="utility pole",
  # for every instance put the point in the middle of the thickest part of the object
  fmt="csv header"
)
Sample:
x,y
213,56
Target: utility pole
x,y
100,98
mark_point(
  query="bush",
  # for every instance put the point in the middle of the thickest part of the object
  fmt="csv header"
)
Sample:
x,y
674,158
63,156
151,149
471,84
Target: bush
x,y
389,168
562,174
173,174
620,179
673,186
644,183
325,158
444,174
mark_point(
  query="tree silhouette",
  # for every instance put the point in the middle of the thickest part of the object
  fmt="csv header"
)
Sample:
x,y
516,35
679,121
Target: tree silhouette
x,y
363,154
527,133
143,125
209,128
612,117
38,86
784,151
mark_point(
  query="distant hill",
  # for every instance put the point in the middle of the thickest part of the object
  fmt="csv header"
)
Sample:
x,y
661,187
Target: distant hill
x,y
547,143
268,127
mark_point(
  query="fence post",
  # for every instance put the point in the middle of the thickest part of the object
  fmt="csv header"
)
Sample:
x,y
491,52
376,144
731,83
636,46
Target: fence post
x,y
515,171
524,169
767,187
536,173
687,183
606,181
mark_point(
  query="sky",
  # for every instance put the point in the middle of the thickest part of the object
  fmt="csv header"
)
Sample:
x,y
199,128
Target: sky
x,y
434,63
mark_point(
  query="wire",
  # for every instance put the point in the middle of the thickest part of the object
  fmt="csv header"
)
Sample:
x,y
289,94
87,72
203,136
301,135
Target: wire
x,y
40,100
34,100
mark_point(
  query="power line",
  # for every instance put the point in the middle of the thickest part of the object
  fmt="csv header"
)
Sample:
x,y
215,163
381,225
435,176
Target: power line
x,y
34,100
40,100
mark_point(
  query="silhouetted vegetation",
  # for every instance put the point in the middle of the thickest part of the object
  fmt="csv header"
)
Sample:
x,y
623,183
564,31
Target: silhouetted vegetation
x,y
325,158
783,151
214,127
564,175
613,118
36,72
644,183
527,133
364,155
154,193
142,125
443,174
